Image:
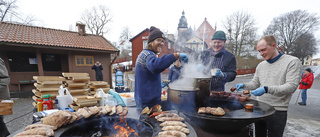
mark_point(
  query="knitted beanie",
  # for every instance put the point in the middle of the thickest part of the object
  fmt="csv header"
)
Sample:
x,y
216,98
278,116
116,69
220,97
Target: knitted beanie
x,y
308,69
154,34
220,35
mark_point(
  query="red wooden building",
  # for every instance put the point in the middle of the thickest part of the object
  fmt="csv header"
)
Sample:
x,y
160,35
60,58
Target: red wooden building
x,y
139,42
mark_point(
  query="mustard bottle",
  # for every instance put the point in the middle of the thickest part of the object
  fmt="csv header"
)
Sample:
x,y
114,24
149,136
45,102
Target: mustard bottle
x,y
39,105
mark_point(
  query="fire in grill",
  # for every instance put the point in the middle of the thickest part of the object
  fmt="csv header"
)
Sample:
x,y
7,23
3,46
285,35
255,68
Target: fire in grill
x,y
109,127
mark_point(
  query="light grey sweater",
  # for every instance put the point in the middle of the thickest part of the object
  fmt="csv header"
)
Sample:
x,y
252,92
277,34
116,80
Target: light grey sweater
x,y
282,78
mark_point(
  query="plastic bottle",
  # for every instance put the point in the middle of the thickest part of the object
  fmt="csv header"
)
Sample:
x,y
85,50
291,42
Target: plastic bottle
x,y
39,105
49,99
56,104
45,103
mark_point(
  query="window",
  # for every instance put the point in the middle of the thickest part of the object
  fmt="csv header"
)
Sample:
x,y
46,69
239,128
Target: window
x,y
145,44
84,60
22,62
51,62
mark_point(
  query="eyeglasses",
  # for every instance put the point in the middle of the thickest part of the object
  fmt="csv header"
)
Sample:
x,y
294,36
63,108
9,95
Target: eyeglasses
x,y
160,40
218,42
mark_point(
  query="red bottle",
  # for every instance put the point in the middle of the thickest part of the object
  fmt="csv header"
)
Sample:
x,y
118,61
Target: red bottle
x,y
50,101
45,103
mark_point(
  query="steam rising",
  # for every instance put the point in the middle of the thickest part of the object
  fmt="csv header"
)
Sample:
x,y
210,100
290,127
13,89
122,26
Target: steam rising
x,y
189,72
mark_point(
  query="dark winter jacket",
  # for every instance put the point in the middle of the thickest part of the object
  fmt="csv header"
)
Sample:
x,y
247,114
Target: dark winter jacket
x,y
227,64
147,85
174,73
97,69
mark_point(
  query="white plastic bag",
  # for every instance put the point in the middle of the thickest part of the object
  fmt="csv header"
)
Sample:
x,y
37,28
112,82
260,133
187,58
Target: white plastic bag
x,y
64,100
100,93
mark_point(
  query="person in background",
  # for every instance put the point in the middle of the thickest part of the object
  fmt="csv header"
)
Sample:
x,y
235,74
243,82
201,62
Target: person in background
x,y
98,68
275,80
174,73
149,67
305,84
217,57
4,95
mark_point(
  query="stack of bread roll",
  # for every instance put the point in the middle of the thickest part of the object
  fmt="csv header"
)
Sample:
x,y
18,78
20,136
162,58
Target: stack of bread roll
x,y
60,118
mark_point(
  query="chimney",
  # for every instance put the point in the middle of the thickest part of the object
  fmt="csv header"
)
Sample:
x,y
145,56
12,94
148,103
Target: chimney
x,y
81,29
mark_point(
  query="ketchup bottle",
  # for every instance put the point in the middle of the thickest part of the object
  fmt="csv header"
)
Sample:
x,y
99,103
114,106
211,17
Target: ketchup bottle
x,y
50,101
45,103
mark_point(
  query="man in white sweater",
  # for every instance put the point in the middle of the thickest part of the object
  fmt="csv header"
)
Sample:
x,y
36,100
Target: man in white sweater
x,y
274,82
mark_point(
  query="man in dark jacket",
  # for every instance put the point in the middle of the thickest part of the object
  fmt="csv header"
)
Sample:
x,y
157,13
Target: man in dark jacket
x,y
175,71
147,85
4,94
98,68
220,59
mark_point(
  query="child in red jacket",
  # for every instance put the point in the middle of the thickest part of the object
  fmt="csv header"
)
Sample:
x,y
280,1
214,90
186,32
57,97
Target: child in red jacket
x,y
305,84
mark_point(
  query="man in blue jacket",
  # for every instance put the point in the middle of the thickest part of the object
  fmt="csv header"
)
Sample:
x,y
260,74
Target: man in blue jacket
x,y
217,57
175,71
149,67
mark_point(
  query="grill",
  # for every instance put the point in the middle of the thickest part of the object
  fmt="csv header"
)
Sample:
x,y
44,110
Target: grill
x,y
235,119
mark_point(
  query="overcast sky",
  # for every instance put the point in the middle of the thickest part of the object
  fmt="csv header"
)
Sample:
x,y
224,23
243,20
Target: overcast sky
x,y
141,14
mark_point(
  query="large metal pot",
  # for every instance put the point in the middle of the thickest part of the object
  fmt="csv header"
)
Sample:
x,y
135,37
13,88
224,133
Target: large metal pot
x,y
191,95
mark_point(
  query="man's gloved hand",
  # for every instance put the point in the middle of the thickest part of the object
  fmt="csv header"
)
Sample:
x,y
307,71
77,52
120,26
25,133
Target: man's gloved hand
x,y
183,57
304,83
259,91
199,67
239,86
219,74
163,84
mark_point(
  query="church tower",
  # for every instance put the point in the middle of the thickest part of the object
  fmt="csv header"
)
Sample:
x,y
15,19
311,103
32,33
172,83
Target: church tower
x,y
183,25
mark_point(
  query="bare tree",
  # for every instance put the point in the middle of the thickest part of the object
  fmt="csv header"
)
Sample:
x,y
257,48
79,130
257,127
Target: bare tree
x,y
8,8
241,32
290,26
9,12
304,45
97,19
125,34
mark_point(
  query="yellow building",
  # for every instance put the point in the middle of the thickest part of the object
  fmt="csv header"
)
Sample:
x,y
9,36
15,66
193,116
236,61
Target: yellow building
x,y
307,60
315,62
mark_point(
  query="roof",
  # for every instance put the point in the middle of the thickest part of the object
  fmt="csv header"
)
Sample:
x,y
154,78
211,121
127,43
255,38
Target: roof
x,y
24,34
147,29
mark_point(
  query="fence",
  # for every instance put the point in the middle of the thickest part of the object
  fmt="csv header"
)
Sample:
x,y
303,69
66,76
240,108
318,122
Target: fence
x,y
245,71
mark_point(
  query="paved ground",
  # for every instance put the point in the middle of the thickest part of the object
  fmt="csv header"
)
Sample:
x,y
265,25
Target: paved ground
x,y
303,121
